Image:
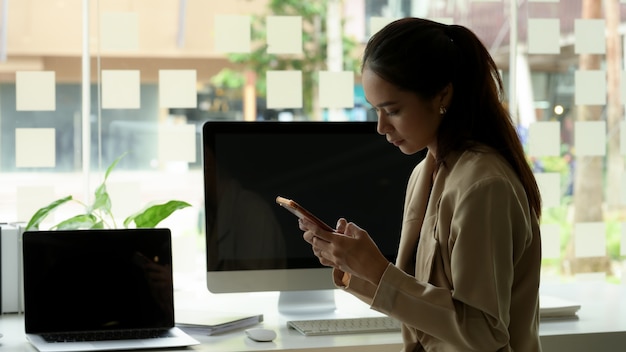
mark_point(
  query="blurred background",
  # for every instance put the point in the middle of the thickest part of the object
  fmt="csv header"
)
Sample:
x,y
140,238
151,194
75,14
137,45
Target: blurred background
x,y
85,81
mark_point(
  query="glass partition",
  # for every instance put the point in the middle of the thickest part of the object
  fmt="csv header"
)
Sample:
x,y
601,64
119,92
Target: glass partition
x,y
84,82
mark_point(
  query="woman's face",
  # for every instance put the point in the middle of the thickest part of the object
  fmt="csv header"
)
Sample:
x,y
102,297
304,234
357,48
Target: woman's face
x,y
406,120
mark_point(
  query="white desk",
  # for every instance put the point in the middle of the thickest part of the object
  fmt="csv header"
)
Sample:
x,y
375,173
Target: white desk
x,y
601,325
602,319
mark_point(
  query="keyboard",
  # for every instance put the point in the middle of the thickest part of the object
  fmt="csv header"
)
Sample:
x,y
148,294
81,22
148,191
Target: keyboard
x,y
343,326
106,335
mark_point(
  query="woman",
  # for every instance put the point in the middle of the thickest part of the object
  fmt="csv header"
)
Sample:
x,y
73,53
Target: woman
x,y
466,277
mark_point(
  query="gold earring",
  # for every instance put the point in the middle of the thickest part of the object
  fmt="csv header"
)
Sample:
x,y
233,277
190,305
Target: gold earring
x,y
442,110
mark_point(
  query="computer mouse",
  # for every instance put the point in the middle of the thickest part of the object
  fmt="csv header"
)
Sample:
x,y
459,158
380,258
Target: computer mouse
x,y
261,334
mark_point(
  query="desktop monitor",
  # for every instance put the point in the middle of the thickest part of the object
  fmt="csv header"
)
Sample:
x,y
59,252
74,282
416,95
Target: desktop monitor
x,y
334,169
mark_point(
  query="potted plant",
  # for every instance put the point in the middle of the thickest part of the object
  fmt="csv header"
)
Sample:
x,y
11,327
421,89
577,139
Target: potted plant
x,y
98,214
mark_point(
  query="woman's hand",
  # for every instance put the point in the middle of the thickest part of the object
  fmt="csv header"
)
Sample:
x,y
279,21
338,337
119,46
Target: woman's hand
x,y
350,249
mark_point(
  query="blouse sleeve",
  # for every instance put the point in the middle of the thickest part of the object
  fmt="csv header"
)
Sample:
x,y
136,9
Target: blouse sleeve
x,y
488,228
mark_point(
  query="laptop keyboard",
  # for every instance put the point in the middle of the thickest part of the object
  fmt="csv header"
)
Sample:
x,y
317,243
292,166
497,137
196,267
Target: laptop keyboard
x,y
107,335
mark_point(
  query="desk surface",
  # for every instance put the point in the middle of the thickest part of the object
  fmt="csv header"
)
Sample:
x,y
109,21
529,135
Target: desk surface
x,y
601,323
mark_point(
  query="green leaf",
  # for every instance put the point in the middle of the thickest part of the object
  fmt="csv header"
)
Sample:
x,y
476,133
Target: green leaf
x,y
102,200
83,221
41,214
153,215
112,166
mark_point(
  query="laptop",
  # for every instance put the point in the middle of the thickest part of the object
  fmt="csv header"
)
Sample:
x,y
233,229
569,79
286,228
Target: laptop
x,y
97,290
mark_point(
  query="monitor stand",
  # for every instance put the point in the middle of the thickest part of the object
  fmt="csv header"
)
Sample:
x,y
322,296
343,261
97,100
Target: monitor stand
x,y
306,302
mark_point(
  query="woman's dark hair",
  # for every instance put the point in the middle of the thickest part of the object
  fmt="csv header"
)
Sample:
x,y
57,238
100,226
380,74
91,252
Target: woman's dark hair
x,y
423,57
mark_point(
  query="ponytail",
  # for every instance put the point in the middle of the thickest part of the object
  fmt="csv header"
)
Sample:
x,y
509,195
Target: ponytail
x,y
479,92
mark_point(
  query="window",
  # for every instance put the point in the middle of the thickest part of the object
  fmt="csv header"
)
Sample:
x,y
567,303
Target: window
x,y
158,70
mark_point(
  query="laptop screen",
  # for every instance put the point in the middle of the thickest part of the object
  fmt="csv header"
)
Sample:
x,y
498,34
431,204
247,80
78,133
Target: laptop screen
x,y
84,280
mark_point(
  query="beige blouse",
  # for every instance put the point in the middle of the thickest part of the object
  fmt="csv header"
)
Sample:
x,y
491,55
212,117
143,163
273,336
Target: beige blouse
x,y
467,272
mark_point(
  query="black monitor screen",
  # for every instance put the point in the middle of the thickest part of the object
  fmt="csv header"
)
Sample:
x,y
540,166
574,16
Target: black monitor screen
x,y
334,169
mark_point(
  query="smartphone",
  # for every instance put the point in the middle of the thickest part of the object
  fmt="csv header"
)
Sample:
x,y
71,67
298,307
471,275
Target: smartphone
x,y
302,213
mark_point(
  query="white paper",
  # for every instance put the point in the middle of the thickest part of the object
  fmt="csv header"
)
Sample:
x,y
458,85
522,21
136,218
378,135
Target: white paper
x,y
284,89
589,36
544,138
549,184
177,143
35,91
177,89
284,34
544,36
590,138
232,34
589,240
550,241
336,89
119,31
121,89
35,147
590,87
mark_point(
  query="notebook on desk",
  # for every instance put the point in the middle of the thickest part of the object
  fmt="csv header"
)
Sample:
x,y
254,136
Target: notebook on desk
x,y
95,290
557,308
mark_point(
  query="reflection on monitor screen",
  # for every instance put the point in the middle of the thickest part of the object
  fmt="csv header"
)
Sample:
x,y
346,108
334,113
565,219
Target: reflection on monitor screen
x,y
334,169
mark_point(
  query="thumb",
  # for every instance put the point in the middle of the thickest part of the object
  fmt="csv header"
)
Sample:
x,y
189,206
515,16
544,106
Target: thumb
x,y
352,230
341,225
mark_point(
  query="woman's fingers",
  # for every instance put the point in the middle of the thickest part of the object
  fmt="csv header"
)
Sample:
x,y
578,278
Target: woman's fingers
x,y
341,225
